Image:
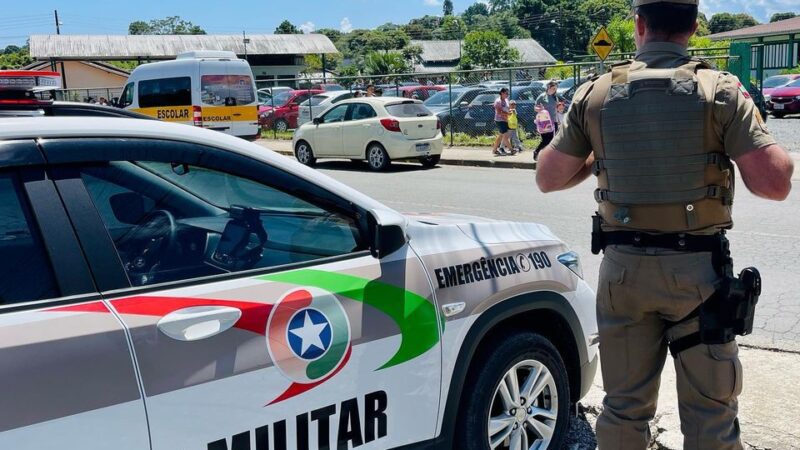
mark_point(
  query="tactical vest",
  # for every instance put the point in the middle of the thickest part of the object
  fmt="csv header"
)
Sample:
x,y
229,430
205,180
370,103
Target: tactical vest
x,y
657,169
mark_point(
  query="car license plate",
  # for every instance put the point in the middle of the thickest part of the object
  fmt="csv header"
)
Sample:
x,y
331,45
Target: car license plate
x,y
480,124
779,106
423,147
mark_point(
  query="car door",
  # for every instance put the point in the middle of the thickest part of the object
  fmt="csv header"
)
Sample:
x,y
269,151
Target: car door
x,y
359,129
258,316
328,133
293,108
67,372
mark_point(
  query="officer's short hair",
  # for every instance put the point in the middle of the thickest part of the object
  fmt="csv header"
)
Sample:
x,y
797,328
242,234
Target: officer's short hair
x,y
668,18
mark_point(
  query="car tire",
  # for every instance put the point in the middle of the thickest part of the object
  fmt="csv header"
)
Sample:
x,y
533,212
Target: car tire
x,y
431,161
779,115
377,158
509,360
304,154
281,126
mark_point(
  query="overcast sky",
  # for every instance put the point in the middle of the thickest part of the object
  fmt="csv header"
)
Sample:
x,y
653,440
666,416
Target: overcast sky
x,y
21,18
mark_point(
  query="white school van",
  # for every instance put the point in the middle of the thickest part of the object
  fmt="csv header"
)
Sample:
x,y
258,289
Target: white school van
x,y
209,89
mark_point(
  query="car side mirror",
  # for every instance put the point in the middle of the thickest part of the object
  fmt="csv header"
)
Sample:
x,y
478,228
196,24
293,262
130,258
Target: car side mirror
x,y
318,120
128,207
387,232
463,104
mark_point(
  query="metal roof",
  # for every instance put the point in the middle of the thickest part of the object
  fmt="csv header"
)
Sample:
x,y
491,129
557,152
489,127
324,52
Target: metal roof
x,y
115,47
530,51
788,26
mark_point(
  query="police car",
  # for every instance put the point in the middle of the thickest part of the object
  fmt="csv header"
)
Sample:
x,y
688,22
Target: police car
x,y
167,287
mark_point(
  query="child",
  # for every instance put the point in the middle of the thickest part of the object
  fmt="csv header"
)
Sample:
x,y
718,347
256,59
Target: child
x,y
546,128
513,125
560,115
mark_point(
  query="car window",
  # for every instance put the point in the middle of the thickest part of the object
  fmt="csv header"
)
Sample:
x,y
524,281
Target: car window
x,y
408,109
126,99
281,98
245,224
774,82
342,97
442,99
316,100
25,271
484,99
301,98
794,84
337,114
226,90
361,111
165,92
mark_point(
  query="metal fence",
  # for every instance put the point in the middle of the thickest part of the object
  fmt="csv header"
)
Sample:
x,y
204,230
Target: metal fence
x,y
462,100
88,95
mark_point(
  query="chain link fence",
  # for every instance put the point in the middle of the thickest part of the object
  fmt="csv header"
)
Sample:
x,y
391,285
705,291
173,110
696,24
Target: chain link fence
x,y
91,95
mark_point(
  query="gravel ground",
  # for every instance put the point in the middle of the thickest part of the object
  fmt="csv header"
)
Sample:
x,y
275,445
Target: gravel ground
x,y
786,131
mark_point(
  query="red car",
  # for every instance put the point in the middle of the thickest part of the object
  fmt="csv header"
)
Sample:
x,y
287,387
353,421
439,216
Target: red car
x,y
283,116
777,82
785,100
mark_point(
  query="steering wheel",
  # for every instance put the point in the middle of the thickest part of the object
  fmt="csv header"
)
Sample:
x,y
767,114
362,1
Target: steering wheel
x,y
147,244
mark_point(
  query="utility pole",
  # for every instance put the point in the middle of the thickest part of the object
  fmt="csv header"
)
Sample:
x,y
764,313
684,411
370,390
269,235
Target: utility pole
x,y
63,73
246,41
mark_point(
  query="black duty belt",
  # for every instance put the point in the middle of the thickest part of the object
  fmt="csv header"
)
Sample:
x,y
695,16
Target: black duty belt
x,y
678,242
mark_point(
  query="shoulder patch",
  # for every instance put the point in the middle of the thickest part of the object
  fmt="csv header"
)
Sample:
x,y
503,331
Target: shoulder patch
x,y
744,91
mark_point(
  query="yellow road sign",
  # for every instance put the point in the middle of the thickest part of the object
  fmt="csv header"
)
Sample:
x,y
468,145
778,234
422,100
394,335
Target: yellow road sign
x,y
602,44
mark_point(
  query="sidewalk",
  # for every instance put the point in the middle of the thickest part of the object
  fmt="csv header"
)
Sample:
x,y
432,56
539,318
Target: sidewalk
x,y
452,156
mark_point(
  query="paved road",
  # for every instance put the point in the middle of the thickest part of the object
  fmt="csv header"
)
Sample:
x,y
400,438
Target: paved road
x,y
786,131
766,233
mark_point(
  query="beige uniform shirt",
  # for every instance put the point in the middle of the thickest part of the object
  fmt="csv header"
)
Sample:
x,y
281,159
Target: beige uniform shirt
x,y
737,123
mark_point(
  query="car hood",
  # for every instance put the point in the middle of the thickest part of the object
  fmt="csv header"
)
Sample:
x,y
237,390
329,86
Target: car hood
x,y
440,109
481,229
786,92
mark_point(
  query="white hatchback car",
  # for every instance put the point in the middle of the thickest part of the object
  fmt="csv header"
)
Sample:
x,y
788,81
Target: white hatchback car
x,y
378,129
317,104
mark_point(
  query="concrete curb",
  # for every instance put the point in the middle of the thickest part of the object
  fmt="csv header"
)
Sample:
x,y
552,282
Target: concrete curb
x,y
498,163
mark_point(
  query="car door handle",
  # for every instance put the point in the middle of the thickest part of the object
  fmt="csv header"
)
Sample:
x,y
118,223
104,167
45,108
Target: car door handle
x,y
198,322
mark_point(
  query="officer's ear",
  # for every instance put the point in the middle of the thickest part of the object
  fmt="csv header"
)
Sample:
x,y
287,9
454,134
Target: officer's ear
x,y
695,27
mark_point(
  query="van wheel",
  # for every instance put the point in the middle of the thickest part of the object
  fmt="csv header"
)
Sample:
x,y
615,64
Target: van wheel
x,y
516,396
281,126
304,154
377,158
430,162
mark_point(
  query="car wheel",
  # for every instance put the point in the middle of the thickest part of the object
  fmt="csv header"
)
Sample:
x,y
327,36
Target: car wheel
x,y
516,396
304,154
281,126
377,158
430,161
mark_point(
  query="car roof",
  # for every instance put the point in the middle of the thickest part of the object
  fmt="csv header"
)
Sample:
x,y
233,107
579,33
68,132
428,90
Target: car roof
x,y
66,109
80,127
382,101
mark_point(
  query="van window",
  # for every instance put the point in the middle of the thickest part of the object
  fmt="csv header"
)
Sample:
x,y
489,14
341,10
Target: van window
x,y
126,99
165,92
226,90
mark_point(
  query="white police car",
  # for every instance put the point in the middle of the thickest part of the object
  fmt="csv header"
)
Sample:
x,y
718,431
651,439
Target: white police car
x,y
165,287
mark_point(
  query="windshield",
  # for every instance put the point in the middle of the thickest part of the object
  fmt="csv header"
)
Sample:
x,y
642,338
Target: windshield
x,y
774,82
485,99
566,84
794,84
282,98
443,98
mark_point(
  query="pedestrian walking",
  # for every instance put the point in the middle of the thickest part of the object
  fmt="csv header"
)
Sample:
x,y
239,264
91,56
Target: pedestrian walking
x,y
513,127
501,110
665,197
547,102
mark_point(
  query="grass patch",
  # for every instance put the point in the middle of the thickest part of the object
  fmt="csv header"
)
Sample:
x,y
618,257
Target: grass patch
x,y
281,136
465,140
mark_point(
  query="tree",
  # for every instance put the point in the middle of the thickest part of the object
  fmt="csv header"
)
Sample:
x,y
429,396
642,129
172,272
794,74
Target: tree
x,y
10,59
10,49
412,53
602,12
500,5
777,17
447,7
722,22
508,24
333,34
488,50
168,25
621,32
376,63
452,28
287,27
702,25
313,63
475,10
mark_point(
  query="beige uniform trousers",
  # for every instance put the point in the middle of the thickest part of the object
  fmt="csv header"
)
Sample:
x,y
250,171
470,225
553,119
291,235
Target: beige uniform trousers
x,y
639,290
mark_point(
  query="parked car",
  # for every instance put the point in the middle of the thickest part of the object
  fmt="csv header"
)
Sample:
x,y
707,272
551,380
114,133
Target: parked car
x,y
421,92
167,287
318,103
480,115
378,129
265,94
452,118
778,81
328,87
283,116
565,85
785,100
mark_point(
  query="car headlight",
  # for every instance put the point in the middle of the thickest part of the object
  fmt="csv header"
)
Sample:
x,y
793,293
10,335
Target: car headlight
x,y
573,262
797,98
767,98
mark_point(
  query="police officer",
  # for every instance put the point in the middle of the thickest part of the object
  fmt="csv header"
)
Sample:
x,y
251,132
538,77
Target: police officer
x,y
660,133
